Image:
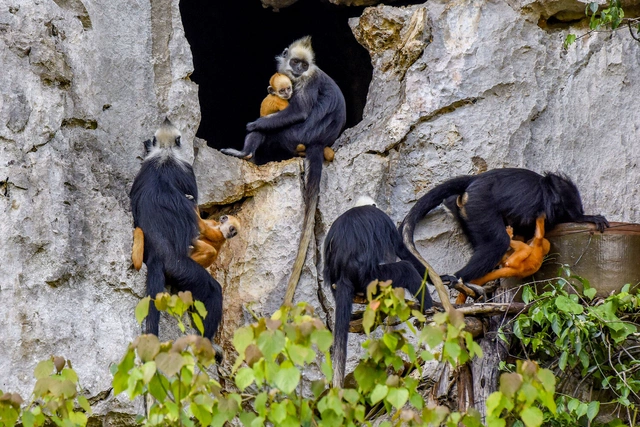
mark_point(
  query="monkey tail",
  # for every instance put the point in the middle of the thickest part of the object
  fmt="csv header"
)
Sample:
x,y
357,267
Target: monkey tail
x,y
344,300
313,172
426,204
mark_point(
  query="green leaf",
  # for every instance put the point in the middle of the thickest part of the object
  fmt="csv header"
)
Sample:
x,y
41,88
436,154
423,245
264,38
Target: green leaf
x,y
242,338
532,417
390,340
142,309
322,339
568,306
287,377
244,378
271,343
397,397
379,392
197,321
43,369
368,320
593,409
202,311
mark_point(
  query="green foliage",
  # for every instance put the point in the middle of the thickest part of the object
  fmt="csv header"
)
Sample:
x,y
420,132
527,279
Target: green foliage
x,y
55,399
609,18
176,306
521,395
595,339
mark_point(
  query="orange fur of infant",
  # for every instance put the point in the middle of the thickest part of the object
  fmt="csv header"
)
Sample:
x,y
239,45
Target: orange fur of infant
x,y
273,102
205,247
525,259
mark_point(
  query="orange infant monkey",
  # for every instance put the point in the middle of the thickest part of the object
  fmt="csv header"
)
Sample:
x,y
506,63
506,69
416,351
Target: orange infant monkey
x,y
525,259
213,234
280,90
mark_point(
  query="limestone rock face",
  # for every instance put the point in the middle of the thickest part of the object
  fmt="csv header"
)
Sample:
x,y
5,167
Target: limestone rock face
x,y
458,88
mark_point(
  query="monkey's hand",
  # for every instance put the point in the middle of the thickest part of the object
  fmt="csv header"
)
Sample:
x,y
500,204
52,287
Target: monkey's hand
x,y
600,221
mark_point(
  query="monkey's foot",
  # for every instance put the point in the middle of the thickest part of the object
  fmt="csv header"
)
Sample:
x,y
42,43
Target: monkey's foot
x,y
236,153
469,289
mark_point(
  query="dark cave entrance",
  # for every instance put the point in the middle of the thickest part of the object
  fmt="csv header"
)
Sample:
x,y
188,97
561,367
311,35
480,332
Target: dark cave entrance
x,y
234,44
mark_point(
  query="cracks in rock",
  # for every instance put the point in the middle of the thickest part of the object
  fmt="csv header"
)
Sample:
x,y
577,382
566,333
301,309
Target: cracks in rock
x,y
75,122
445,110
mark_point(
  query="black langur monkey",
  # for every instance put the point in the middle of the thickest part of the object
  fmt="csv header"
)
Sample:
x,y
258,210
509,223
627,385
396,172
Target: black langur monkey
x,y
484,204
363,245
168,219
314,118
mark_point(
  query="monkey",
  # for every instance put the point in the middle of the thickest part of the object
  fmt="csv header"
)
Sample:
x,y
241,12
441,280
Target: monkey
x,y
206,246
525,259
168,225
213,235
314,118
363,245
280,90
494,199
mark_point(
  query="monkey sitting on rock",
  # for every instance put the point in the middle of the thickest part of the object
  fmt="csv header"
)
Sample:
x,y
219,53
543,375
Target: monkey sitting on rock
x,y
280,90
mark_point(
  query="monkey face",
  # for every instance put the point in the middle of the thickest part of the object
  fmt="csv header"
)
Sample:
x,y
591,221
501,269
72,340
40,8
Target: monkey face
x,y
285,92
280,86
297,61
298,66
229,226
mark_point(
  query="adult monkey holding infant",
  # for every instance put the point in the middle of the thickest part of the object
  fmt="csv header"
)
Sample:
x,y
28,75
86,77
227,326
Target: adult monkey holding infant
x,y
314,118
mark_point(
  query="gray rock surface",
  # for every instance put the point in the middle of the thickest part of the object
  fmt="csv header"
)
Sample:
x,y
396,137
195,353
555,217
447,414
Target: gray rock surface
x,y
458,87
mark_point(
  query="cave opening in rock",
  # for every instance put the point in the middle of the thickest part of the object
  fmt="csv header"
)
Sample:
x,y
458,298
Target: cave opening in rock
x,y
234,44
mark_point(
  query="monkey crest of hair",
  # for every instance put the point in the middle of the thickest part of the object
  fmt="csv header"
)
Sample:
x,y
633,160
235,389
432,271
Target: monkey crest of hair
x,y
365,201
484,204
363,245
168,221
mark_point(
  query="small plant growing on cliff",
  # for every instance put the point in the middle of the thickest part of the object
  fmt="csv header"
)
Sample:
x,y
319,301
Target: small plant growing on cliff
x,y
609,18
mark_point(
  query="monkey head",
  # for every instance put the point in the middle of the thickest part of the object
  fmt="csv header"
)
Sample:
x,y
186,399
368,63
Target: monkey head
x,y
167,138
280,86
229,226
298,60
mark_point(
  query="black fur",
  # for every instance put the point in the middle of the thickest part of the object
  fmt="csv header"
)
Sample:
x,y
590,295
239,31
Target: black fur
x,y
363,245
497,198
168,219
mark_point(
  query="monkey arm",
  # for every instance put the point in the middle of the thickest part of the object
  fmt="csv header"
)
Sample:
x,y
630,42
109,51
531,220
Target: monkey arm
x,y
297,112
496,274
600,221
